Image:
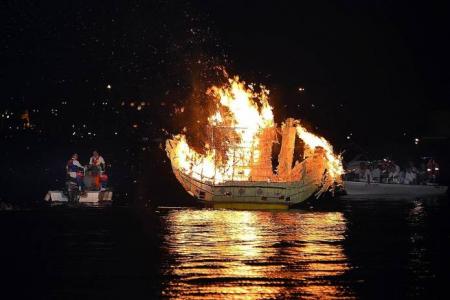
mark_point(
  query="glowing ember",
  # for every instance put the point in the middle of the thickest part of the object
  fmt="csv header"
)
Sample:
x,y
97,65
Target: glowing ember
x,y
242,131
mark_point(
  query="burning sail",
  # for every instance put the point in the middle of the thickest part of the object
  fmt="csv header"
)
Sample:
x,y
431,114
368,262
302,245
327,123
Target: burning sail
x,y
241,134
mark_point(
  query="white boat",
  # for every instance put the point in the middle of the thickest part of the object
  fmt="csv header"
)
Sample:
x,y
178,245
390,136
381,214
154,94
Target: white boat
x,y
356,189
88,197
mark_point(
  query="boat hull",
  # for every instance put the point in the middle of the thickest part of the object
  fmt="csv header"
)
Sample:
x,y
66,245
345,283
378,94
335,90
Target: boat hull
x,y
247,194
364,189
89,197
247,205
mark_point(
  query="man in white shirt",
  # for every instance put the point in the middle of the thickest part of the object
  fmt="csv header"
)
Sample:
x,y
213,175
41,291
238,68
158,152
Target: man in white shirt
x,y
97,161
97,164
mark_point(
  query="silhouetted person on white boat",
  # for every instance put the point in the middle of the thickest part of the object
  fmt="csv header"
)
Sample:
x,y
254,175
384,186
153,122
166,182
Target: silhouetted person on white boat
x,y
411,174
384,171
364,173
394,173
376,173
432,170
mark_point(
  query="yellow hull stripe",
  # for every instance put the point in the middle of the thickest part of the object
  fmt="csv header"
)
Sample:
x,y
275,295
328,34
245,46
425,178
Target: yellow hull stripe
x,y
245,205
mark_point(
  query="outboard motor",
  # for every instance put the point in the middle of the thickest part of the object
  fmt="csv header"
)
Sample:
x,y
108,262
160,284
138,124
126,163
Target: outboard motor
x,y
73,191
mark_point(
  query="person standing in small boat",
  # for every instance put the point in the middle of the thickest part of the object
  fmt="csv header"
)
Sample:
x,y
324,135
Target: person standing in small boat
x,y
97,160
97,164
75,171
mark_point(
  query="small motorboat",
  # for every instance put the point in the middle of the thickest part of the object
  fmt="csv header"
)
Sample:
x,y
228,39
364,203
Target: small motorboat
x,y
357,189
94,191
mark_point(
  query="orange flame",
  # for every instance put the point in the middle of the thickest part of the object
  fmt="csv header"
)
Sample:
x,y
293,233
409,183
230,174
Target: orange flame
x,y
241,116
334,162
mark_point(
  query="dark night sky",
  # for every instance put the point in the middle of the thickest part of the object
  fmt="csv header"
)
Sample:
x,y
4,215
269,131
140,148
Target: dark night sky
x,y
376,69
386,63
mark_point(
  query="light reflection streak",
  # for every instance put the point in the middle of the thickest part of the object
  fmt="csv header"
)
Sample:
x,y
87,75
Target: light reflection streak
x,y
220,254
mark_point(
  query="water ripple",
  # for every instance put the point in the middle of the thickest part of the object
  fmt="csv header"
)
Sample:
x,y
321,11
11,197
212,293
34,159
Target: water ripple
x,y
222,254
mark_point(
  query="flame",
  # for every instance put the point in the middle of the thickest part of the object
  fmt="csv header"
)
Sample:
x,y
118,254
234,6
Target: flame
x,y
241,116
334,162
245,113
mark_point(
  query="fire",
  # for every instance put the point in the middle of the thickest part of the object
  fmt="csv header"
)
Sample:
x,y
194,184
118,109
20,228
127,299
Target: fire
x,y
241,128
334,162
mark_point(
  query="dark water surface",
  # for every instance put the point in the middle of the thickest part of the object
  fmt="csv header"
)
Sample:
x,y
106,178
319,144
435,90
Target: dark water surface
x,y
354,249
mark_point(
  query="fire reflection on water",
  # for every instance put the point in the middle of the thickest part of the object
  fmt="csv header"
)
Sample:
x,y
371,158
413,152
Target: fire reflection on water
x,y
220,254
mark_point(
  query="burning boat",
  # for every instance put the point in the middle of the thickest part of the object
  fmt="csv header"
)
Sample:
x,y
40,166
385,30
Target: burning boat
x,y
238,167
